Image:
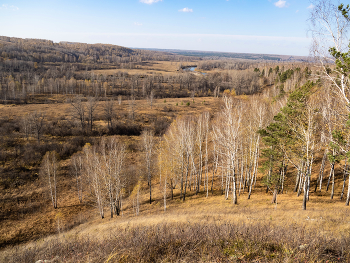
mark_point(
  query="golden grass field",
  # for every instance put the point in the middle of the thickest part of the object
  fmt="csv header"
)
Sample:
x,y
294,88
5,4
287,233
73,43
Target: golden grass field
x,y
328,218
149,68
174,106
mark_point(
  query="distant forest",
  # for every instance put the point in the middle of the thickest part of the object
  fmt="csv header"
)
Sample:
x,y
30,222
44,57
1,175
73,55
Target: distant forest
x,y
29,67
231,55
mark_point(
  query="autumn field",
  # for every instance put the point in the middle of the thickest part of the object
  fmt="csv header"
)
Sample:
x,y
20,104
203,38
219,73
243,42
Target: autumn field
x,y
202,229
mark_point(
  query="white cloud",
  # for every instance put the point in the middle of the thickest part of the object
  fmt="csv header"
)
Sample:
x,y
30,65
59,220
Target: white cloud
x,y
310,6
149,2
281,3
137,24
186,10
7,7
297,11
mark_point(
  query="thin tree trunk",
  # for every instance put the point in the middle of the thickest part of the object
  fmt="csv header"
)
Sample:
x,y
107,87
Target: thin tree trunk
x,y
344,179
234,184
348,194
330,176
297,182
250,187
283,176
187,171
200,169
257,164
182,179
212,179
150,192
227,187
320,177
240,176
332,193
305,194
165,179
301,183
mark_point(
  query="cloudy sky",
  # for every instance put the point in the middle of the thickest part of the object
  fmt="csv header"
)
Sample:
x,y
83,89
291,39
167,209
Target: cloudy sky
x,y
244,26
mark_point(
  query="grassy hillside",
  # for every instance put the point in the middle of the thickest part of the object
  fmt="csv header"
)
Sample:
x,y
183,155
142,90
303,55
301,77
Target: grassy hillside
x,y
203,230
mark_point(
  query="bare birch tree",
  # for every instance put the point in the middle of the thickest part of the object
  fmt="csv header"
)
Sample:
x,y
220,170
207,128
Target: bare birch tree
x,y
92,172
227,136
48,171
77,170
147,138
329,29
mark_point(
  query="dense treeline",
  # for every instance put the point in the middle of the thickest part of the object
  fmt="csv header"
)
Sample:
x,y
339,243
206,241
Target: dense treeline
x,y
38,50
30,67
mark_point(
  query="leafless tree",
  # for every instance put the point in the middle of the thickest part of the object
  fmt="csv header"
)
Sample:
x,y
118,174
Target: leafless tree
x,y
329,29
91,105
151,97
37,120
26,126
48,171
147,138
109,112
93,176
112,158
227,136
132,108
80,111
77,170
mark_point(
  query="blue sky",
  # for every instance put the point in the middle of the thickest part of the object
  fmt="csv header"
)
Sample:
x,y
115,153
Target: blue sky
x,y
244,26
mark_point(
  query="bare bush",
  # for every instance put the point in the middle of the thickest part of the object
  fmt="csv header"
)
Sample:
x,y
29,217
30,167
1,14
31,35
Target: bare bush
x,y
225,242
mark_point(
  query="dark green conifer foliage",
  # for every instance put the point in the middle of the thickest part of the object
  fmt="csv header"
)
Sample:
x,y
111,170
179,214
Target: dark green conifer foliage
x,y
282,140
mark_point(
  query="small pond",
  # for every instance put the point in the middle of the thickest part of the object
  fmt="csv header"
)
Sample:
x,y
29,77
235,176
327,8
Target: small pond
x,y
192,69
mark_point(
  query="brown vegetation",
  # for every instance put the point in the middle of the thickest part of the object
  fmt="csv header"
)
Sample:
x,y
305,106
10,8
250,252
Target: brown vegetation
x,y
177,201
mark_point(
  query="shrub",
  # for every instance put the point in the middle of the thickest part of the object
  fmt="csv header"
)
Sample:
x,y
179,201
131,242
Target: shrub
x,y
193,242
130,129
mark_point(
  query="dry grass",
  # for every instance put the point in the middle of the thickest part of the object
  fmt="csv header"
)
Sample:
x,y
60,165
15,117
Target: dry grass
x,y
204,230
160,107
149,68
322,214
